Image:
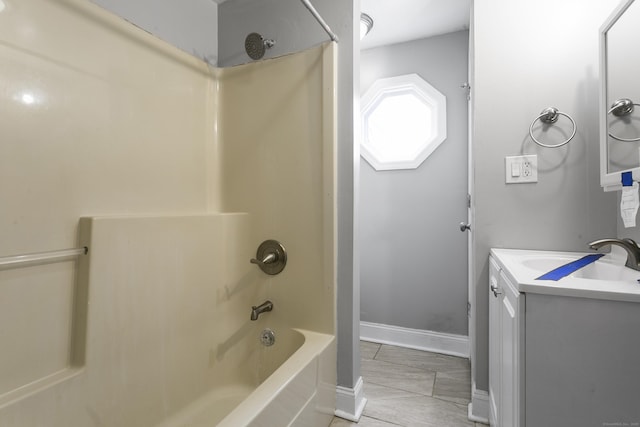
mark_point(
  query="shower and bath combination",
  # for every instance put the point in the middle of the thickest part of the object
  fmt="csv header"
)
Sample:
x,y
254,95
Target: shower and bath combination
x,y
255,45
192,269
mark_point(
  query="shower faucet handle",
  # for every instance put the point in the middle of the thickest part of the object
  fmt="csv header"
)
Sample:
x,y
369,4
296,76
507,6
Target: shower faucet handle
x,y
271,257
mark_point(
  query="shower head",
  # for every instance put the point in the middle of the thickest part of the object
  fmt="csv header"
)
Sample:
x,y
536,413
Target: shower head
x,y
256,45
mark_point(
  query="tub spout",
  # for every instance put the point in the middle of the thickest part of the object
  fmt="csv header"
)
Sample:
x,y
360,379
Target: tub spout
x,y
633,251
258,310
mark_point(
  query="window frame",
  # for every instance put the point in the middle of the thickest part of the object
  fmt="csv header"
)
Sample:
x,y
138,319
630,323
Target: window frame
x,y
395,86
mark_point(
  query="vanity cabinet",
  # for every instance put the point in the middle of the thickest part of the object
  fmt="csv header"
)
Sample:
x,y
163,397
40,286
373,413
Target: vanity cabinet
x,y
506,310
561,353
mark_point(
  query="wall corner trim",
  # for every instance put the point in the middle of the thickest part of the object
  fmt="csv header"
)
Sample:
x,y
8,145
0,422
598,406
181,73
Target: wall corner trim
x,y
350,402
479,405
454,345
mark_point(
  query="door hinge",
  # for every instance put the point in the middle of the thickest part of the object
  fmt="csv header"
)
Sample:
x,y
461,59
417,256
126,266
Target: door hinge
x,y
468,200
468,309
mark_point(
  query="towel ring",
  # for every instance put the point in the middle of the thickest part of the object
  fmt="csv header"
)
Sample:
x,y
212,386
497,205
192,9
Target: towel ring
x,y
622,107
549,116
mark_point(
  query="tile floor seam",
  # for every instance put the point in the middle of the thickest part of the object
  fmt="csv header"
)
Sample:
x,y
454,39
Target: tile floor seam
x,y
404,364
460,405
399,389
377,351
383,420
442,358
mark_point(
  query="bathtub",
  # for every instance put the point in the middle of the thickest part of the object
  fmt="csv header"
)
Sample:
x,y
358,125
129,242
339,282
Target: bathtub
x,y
163,336
190,355
292,385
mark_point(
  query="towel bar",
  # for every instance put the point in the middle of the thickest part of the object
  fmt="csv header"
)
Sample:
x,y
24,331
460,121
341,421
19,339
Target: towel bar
x,y
14,261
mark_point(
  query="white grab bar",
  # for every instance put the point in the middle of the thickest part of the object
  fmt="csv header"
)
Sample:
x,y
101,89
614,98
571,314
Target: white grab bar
x,y
15,261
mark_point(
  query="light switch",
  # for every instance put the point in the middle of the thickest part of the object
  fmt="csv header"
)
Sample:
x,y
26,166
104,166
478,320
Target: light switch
x,y
521,169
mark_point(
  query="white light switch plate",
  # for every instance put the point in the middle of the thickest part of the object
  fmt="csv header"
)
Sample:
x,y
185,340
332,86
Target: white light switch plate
x,y
521,169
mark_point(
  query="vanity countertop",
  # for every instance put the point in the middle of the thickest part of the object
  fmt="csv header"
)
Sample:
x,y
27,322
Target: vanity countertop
x,y
523,267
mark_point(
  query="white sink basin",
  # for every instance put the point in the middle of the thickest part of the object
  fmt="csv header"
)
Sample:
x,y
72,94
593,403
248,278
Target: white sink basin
x,y
601,270
546,264
607,278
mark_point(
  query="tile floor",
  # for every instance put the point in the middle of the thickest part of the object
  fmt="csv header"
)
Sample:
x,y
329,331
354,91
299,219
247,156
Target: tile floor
x,y
409,388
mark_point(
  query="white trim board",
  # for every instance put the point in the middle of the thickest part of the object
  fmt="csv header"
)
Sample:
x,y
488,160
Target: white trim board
x,y
350,402
478,409
438,342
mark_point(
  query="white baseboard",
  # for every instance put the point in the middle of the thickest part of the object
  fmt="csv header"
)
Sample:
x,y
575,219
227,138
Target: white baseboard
x,y
438,342
479,406
350,402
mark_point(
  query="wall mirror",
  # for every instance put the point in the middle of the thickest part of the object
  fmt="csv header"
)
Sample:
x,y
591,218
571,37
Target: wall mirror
x,y
620,95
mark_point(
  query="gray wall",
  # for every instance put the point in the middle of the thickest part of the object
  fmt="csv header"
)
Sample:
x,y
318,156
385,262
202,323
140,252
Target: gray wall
x,y
411,215
193,29
528,56
294,29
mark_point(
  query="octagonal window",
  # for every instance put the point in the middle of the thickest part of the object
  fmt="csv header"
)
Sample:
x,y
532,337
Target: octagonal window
x,y
404,121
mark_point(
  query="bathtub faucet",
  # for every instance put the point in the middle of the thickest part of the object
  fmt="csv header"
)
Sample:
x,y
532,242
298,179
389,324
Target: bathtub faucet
x,y
633,251
257,311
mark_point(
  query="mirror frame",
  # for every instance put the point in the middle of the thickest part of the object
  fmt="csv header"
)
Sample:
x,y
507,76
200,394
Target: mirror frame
x,y
609,181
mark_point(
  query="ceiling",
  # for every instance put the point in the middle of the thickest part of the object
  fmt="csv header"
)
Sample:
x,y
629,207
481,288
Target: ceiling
x,y
396,21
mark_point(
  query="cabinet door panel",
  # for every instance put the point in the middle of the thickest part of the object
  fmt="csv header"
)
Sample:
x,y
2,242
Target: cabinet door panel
x,y
511,314
495,335
508,359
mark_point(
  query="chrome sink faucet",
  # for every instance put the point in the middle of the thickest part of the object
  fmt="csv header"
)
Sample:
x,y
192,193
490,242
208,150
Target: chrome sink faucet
x,y
629,245
258,310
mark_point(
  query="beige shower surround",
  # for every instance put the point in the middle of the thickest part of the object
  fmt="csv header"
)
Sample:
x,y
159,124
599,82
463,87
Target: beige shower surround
x,y
100,119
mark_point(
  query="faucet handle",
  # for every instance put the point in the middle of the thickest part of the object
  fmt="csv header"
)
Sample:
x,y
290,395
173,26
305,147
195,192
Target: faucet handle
x,y
271,257
268,259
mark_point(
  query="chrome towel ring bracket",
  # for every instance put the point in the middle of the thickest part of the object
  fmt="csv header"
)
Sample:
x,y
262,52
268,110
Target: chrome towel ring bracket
x,y
621,108
271,257
549,116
